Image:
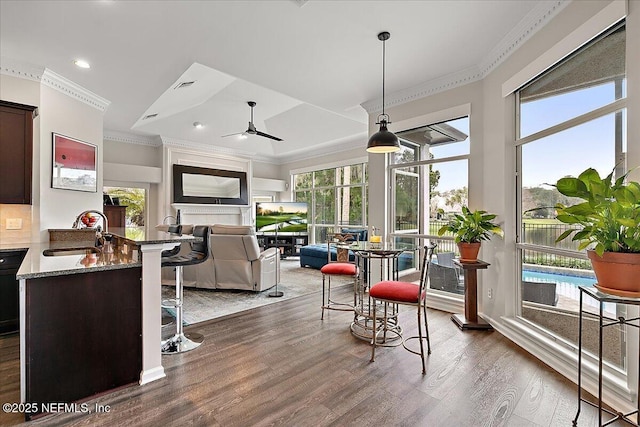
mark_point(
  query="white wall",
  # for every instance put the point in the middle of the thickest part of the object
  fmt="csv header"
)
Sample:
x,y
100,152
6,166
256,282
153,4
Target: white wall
x,y
266,170
70,117
132,154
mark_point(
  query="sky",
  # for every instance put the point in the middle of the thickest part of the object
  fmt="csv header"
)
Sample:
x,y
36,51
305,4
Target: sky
x,y
569,152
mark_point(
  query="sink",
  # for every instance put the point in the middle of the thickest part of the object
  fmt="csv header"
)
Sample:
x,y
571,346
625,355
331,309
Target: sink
x,y
71,251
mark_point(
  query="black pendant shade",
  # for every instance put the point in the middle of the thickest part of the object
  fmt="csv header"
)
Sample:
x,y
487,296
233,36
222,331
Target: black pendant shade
x,y
383,141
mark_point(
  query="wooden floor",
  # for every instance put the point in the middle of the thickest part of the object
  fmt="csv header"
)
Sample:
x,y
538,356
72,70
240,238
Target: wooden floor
x,y
281,365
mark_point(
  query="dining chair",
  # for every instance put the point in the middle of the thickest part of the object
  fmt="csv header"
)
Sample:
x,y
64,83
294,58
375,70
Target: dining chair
x,y
397,292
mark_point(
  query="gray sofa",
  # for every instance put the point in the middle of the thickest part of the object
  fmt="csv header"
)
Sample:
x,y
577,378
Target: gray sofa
x,y
235,262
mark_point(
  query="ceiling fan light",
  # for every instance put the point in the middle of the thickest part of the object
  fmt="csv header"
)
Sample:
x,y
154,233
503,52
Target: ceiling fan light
x,y
383,141
244,135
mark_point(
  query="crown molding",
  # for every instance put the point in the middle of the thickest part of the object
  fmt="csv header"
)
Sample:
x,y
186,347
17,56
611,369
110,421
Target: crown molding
x,y
53,80
10,67
335,147
431,87
116,136
172,142
537,18
69,88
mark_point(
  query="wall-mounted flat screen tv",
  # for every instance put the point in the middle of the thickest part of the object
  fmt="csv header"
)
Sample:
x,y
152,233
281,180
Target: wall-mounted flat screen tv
x,y
282,216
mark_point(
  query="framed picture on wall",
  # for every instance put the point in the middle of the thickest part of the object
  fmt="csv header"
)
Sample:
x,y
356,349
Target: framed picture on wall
x,y
74,165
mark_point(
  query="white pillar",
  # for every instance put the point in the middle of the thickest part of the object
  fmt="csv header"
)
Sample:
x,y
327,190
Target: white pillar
x,y
151,314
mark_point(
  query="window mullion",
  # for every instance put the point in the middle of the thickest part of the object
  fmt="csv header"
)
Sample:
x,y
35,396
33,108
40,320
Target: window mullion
x,y
584,118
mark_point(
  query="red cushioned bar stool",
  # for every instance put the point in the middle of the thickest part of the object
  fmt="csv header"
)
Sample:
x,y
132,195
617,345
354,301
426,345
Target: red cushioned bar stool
x,y
396,292
338,265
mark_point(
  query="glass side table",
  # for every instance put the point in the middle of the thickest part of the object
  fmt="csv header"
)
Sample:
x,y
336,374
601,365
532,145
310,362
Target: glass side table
x,y
603,322
368,255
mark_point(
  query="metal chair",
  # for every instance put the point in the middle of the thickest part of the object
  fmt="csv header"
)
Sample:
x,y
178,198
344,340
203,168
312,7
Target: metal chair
x,y
181,342
338,267
403,293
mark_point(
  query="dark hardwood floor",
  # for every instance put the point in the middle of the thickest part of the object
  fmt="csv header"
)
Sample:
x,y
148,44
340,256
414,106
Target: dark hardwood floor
x,y
281,365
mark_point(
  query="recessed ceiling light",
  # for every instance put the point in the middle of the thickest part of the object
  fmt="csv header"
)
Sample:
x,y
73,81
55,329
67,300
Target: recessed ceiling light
x,y
198,125
82,63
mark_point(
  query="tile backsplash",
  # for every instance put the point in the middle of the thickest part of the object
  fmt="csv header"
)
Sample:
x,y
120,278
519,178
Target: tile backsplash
x,y
20,212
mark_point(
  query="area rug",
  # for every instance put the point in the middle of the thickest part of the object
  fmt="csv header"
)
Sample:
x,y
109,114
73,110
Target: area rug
x,y
206,304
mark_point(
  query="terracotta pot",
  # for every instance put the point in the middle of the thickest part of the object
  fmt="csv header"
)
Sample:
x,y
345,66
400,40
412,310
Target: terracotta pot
x,y
617,273
469,251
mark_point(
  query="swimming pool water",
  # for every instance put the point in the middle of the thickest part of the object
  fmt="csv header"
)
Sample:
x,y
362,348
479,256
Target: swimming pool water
x,y
566,286
536,276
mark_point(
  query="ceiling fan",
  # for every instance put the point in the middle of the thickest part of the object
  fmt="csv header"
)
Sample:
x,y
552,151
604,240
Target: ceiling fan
x,y
251,130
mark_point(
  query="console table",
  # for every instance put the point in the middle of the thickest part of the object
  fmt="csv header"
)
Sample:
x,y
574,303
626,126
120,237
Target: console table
x,y
470,318
601,298
289,243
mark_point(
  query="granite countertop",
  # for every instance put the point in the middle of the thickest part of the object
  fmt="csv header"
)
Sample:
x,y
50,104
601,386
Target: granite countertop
x,y
125,255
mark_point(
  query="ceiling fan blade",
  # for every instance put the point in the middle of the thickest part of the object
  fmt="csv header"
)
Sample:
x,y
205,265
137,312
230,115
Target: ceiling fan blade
x,y
266,135
233,134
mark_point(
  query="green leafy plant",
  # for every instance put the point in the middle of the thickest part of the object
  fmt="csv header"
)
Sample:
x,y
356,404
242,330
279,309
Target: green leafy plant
x,y
609,215
471,227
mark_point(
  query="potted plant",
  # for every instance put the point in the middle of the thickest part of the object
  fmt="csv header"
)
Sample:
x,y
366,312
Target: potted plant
x,y
607,221
470,229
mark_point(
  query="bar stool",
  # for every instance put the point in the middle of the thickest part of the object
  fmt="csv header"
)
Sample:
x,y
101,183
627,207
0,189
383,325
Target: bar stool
x,y
403,293
341,267
181,342
176,230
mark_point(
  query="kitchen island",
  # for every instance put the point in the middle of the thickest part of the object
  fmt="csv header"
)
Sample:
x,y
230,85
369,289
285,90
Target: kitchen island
x,y
90,319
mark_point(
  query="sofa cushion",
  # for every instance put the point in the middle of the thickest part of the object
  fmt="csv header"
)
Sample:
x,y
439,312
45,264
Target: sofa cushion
x,y
242,230
341,268
395,291
318,251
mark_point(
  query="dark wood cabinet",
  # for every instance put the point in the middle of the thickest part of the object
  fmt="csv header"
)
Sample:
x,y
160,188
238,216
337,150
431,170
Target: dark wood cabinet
x,y
9,306
83,335
289,244
16,152
115,215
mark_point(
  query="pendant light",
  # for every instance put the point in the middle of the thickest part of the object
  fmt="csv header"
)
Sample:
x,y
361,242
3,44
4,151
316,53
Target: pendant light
x,y
383,141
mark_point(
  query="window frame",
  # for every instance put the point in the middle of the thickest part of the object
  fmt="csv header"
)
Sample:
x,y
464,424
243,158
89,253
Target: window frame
x,y
363,185
615,374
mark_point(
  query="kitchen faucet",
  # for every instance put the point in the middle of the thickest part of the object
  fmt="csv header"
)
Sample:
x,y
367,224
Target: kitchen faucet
x,y
76,223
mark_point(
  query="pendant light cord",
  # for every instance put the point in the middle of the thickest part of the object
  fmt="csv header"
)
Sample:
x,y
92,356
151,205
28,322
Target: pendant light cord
x,y
384,42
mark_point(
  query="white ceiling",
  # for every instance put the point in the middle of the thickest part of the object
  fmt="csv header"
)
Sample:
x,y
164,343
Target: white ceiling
x,y
309,65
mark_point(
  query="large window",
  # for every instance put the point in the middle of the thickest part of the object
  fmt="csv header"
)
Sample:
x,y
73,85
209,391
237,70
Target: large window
x,y
337,197
429,177
570,118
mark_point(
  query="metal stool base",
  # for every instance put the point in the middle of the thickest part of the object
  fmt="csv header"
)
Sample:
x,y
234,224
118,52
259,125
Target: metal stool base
x,y
179,343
